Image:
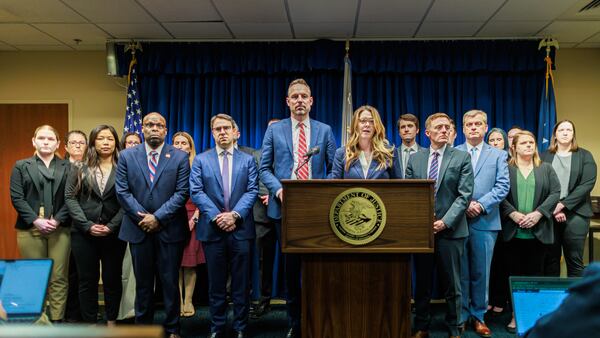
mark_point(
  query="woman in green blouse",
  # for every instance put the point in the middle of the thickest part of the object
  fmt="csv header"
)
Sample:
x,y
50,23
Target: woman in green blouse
x,y
527,210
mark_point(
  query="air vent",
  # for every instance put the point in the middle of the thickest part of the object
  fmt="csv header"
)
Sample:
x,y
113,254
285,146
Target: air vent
x,y
592,5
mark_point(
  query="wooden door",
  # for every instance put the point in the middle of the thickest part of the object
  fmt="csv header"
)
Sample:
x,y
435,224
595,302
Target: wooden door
x,y
19,122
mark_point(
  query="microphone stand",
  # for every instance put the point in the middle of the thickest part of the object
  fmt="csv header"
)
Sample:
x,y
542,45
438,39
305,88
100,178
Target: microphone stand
x,y
304,162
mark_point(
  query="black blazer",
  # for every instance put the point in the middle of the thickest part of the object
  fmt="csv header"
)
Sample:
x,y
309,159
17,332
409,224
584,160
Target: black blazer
x,y
581,182
25,192
89,206
545,198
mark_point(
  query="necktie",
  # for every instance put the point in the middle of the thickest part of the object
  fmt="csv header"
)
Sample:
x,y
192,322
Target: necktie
x,y
433,170
303,172
407,152
225,178
474,157
153,164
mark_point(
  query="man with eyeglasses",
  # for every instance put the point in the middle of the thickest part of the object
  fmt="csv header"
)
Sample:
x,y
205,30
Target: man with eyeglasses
x,y
152,183
283,157
224,186
491,186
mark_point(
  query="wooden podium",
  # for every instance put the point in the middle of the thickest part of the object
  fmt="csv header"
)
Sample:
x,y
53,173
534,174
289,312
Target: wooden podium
x,y
356,290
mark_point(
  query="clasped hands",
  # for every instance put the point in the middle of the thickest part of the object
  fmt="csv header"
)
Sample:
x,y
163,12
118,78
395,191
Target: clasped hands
x,y
225,221
46,226
559,214
149,222
526,221
99,230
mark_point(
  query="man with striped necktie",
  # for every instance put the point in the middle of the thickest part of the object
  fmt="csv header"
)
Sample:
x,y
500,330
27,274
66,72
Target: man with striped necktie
x,y
283,157
453,173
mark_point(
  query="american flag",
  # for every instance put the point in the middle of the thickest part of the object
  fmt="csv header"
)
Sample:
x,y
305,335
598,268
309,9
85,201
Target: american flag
x,y
133,112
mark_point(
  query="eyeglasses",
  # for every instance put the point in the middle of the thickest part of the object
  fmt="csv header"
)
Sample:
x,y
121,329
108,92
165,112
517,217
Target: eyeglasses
x,y
151,125
367,121
132,143
77,143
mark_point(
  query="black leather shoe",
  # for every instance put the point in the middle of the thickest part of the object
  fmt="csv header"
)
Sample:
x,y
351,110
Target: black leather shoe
x,y
240,334
260,309
293,333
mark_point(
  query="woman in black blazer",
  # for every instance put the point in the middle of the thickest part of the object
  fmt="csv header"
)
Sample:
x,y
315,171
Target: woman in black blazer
x,y
37,189
527,210
576,171
92,201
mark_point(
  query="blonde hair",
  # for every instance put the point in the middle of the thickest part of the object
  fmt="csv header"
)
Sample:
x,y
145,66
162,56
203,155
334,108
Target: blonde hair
x,y
382,152
52,129
473,113
300,82
513,149
190,140
432,117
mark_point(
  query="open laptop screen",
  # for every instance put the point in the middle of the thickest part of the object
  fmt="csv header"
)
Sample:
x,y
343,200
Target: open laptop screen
x,y
23,285
534,297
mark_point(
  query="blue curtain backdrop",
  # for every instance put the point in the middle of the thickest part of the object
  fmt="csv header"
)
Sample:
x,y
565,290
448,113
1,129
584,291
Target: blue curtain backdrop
x,y
188,83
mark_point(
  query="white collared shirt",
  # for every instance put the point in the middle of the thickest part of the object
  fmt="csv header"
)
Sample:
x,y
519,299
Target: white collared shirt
x,y
149,150
470,150
405,157
230,158
296,139
439,151
365,162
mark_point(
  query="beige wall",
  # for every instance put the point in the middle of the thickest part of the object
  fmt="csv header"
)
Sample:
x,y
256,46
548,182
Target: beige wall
x,y
578,96
77,78
80,79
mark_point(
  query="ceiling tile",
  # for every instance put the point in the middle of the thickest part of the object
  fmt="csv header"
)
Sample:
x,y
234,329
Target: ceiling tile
x,y
198,30
41,47
111,11
392,11
83,47
37,11
525,10
462,10
589,45
260,11
511,28
448,29
595,38
136,31
322,11
181,10
20,33
324,30
568,45
386,29
87,33
572,31
5,47
261,30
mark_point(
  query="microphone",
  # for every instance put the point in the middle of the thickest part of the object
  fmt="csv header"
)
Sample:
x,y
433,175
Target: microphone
x,y
311,152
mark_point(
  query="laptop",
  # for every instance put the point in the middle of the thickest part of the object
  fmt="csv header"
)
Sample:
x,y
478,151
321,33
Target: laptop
x,y
534,297
23,284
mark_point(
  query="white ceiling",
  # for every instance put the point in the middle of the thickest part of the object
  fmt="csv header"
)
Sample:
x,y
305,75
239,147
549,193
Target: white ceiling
x,y
88,24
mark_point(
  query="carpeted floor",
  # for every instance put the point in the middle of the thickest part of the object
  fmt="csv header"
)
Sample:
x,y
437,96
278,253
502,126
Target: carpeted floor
x,y
274,323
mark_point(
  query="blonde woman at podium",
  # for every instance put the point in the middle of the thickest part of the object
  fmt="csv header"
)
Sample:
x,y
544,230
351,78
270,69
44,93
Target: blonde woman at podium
x,y
367,154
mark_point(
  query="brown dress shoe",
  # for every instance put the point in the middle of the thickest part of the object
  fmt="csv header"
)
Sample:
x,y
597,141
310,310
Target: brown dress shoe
x,y
421,334
481,329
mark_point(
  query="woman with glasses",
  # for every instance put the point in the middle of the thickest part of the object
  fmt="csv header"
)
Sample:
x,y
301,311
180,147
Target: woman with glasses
x,y
367,154
130,140
92,201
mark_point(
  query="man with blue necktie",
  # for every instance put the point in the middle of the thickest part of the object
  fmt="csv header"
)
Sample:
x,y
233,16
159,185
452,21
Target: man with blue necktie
x,y
453,173
224,186
283,157
152,184
490,170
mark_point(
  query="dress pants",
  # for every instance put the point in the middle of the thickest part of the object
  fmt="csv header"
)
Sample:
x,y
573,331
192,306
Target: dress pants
x,y
89,251
499,292
292,265
265,246
526,257
447,260
221,256
569,240
153,257
56,246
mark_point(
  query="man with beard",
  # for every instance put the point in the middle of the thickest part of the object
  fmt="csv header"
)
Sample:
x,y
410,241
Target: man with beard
x,y
152,186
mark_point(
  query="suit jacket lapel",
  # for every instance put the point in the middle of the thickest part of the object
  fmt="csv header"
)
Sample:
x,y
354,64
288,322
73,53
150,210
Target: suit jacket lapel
x,y
163,161
539,178
514,193
142,159
314,132
234,170
33,171
372,169
214,163
59,173
485,153
400,159
446,158
289,135
357,168
95,186
110,183
576,160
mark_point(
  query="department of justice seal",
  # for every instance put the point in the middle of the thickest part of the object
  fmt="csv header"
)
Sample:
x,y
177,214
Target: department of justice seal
x,y
357,216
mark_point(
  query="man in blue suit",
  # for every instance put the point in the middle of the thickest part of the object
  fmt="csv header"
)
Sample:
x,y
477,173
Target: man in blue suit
x,y
283,149
453,173
224,186
152,186
490,169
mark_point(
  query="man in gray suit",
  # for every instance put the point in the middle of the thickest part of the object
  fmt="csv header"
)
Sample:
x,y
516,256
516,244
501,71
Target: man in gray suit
x,y
408,129
453,173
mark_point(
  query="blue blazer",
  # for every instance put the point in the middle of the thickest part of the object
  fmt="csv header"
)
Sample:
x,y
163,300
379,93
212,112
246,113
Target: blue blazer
x,y
453,189
206,188
165,198
491,186
355,170
277,159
